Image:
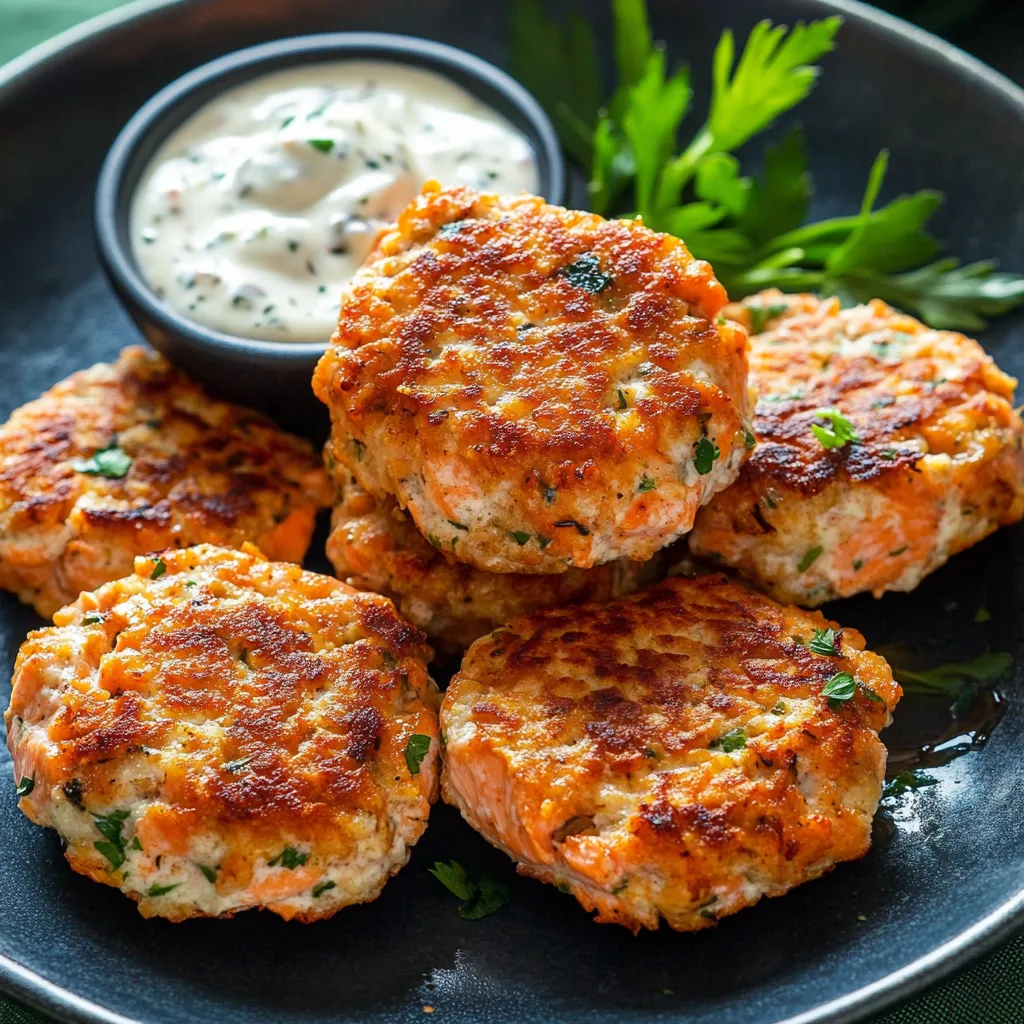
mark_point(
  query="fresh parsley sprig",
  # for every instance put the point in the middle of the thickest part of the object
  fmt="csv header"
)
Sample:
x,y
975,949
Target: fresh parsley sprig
x,y
753,229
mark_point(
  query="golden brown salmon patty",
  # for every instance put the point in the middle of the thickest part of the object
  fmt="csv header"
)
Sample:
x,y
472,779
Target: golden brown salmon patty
x,y
935,467
550,388
373,546
219,732
673,754
122,459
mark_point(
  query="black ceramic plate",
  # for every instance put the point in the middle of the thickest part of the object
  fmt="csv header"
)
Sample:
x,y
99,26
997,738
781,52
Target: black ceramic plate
x,y
945,878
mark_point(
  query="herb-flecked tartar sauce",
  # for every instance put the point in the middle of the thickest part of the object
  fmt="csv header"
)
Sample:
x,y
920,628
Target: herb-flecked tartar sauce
x,y
255,212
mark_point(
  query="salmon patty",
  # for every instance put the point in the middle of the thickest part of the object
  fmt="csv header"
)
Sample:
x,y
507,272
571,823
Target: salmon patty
x,y
218,732
374,546
934,463
547,387
122,459
677,754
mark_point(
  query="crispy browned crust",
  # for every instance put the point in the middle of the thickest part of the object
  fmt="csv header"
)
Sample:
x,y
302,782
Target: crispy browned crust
x,y
276,705
936,429
467,363
202,471
586,743
374,546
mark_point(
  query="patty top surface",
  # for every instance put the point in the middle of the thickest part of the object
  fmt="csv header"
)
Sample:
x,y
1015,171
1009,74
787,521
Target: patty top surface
x,y
934,466
226,707
122,459
908,390
558,383
671,753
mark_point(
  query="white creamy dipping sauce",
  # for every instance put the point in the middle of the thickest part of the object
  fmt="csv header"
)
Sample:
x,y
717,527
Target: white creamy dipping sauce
x,y
255,212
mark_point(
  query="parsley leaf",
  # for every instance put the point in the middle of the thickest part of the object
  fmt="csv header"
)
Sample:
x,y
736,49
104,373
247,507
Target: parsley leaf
x,y
289,858
840,432
111,462
481,894
774,73
113,846
705,452
210,874
321,887
809,558
906,781
25,786
322,145
161,890
415,750
646,484
159,568
735,739
839,689
826,642
585,272
779,197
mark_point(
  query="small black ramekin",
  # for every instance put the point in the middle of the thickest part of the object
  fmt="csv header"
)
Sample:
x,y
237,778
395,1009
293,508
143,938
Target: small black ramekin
x,y
270,375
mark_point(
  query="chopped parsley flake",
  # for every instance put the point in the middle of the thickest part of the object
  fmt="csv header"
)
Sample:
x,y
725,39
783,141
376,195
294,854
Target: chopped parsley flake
x,y
857,564
585,272
748,438
113,846
159,568
543,541
623,402
519,536
110,462
735,739
889,454
825,641
358,448
161,890
760,315
481,894
210,874
321,888
91,620
322,145
705,452
840,433
289,858
907,781
434,540
898,551
415,750
646,484
809,558
458,526
25,786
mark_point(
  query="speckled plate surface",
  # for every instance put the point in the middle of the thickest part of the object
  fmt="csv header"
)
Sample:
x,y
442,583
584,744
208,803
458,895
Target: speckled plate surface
x,y
945,879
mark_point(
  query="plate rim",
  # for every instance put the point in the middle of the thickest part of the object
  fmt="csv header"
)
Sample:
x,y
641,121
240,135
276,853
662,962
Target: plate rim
x,y
38,992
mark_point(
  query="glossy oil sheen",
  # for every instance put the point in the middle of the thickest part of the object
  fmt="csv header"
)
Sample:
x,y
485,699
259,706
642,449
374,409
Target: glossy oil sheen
x,y
947,859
